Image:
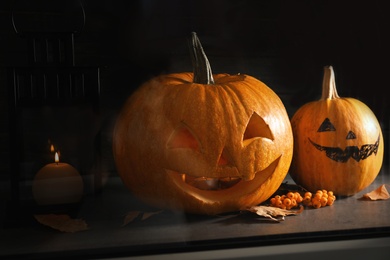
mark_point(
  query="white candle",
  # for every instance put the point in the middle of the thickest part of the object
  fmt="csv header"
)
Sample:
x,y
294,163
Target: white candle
x,y
57,183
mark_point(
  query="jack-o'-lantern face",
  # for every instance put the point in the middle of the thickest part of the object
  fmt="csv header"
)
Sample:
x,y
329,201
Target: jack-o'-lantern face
x,y
185,152
338,143
203,143
203,148
352,152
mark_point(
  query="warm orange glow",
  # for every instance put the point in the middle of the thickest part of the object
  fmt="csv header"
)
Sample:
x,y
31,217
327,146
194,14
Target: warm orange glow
x,y
51,148
56,158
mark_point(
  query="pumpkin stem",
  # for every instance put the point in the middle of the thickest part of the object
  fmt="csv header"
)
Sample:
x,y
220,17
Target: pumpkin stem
x,y
329,90
200,63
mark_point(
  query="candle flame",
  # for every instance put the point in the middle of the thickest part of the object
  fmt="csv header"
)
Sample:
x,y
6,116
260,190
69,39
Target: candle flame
x,y
56,158
51,148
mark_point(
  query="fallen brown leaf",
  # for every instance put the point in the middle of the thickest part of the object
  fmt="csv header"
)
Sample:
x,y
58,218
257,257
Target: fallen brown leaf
x,y
132,216
62,222
273,213
380,193
147,215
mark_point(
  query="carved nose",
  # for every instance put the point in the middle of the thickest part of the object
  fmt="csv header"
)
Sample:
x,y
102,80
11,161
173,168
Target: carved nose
x,y
225,158
351,135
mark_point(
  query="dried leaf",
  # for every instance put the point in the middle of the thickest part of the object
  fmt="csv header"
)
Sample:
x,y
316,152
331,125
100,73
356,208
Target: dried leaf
x,y
132,215
380,193
273,213
147,215
62,222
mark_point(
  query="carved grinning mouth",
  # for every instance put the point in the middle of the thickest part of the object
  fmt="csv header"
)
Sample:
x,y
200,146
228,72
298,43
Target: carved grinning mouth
x,y
206,183
223,183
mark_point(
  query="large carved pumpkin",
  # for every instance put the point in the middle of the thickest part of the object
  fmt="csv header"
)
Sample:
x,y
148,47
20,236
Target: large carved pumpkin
x,y
203,143
338,143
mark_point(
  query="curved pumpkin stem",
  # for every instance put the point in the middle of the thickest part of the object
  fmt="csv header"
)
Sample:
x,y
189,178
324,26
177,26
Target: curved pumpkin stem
x,y
329,90
200,63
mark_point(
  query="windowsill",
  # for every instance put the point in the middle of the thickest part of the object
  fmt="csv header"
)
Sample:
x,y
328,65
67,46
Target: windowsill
x,y
168,232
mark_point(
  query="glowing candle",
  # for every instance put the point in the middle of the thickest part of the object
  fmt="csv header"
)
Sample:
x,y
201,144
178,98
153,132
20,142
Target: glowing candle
x,y
57,183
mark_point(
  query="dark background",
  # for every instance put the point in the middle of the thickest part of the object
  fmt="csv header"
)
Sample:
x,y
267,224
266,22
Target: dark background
x,y
285,44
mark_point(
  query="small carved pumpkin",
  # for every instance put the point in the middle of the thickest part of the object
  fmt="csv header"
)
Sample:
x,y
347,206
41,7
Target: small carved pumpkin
x,y
203,143
338,143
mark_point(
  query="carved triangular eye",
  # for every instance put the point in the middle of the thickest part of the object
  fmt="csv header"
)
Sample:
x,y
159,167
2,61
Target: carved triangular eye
x,y
351,135
182,137
326,126
257,128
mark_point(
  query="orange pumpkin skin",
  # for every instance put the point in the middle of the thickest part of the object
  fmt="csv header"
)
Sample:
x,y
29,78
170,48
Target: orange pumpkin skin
x,y
338,143
171,130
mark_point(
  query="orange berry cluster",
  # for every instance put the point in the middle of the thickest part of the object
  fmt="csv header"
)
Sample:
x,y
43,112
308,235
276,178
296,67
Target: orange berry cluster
x,y
288,201
292,199
320,199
